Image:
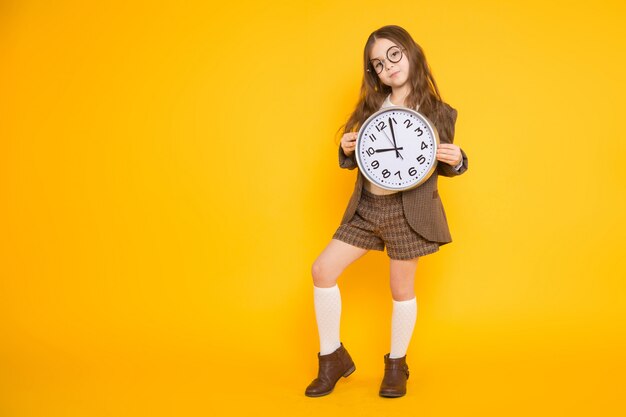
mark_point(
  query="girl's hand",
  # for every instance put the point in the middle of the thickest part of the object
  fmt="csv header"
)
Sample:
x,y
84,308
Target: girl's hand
x,y
348,142
449,153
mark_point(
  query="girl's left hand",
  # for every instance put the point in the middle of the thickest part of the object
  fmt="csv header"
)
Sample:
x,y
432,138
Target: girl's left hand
x,y
449,153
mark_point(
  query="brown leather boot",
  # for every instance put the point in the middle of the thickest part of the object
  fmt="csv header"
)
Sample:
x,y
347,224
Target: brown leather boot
x,y
396,374
331,367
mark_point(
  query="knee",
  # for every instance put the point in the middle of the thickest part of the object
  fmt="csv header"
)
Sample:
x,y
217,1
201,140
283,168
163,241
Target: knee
x,y
401,292
322,276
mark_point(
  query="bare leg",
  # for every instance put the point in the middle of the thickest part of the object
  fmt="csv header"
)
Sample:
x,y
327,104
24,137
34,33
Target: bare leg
x,y
332,261
404,313
326,295
402,278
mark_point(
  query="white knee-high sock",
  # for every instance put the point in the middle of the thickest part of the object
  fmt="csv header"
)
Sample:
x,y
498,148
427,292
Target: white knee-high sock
x,y
328,314
402,324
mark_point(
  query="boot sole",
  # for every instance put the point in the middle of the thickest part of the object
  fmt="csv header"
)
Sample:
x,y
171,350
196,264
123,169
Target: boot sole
x,y
391,395
349,371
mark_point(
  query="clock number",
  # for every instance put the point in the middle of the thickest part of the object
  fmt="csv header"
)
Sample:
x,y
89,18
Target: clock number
x,y
381,126
370,151
375,164
421,159
372,137
386,173
398,174
419,131
408,123
424,146
412,171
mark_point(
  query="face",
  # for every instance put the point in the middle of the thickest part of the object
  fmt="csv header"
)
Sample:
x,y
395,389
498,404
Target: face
x,y
393,74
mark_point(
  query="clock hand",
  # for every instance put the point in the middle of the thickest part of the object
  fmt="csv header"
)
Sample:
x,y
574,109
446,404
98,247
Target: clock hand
x,y
386,150
387,136
394,138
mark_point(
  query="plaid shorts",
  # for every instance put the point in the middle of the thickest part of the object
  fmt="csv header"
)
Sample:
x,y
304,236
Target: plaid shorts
x,y
379,220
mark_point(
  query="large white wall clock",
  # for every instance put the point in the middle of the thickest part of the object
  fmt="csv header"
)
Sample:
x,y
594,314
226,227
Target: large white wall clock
x,y
396,148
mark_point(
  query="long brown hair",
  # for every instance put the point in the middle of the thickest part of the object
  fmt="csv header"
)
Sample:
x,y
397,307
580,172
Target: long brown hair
x,y
424,89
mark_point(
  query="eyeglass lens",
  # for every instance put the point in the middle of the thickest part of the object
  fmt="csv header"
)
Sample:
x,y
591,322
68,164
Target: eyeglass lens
x,y
394,54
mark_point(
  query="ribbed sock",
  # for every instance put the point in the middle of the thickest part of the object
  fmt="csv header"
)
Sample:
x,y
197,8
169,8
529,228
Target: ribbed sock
x,y
328,314
402,325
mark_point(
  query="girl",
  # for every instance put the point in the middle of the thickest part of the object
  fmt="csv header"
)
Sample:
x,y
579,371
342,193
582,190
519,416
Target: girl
x,y
410,223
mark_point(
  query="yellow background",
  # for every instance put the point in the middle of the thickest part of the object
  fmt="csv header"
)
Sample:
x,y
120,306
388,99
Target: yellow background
x,y
169,173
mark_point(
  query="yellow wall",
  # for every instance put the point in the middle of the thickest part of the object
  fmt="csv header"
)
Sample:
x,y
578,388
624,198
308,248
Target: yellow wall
x,y
168,174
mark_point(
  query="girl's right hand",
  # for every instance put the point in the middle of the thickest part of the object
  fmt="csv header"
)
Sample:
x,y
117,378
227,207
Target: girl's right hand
x,y
348,142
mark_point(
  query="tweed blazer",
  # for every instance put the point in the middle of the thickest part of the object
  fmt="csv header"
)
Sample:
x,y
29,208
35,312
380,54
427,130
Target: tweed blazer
x,y
422,205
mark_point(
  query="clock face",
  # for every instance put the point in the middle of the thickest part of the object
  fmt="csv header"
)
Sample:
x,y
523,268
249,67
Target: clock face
x,y
396,148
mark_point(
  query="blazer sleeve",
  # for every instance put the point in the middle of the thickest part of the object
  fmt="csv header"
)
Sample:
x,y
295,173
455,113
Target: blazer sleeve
x,y
448,170
347,162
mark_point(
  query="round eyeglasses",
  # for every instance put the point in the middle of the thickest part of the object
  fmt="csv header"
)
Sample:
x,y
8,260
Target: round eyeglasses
x,y
394,54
